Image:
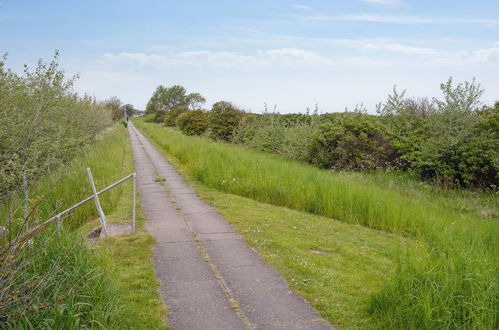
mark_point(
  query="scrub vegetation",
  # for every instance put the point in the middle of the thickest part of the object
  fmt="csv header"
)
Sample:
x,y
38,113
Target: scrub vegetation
x,y
54,278
448,279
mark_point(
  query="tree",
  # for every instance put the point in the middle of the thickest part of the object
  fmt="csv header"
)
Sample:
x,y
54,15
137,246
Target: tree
x,y
114,105
195,100
166,99
128,108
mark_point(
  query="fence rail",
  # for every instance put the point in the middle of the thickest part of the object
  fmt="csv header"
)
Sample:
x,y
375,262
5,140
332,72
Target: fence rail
x,y
95,196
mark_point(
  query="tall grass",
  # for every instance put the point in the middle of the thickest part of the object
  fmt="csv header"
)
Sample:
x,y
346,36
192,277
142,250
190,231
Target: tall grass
x,y
53,280
449,281
69,184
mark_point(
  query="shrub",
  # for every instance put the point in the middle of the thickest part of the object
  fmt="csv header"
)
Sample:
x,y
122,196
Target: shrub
x,y
159,116
193,122
462,145
171,116
353,142
43,123
269,135
149,118
224,118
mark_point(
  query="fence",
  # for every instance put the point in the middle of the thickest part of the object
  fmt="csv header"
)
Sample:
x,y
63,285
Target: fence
x,y
95,197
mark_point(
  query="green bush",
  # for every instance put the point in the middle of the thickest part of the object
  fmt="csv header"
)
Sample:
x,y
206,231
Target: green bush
x,y
354,141
224,118
43,123
159,116
150,118
171,116
193,122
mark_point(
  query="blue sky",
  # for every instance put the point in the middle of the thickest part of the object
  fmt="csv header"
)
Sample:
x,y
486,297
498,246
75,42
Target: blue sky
x,y
293,54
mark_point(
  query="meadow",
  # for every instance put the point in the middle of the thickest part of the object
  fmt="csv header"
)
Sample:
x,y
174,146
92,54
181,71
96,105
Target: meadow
x,y
448,279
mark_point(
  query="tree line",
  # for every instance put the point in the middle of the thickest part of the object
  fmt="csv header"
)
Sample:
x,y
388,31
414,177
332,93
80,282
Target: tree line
x,y
452,141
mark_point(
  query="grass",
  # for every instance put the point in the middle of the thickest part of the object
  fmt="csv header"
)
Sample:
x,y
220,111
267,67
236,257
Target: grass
x,y
107,285
128,262
447,280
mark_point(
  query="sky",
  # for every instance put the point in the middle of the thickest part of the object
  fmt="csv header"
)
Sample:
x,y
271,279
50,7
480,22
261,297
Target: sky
x,y
287,54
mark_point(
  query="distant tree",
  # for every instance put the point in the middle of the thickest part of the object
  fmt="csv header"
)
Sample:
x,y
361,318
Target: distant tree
x,y
195,101
114,105
129,110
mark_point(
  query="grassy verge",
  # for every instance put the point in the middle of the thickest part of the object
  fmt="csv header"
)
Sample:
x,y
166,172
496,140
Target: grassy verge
x,y
447,280
335,266
58,279
128,262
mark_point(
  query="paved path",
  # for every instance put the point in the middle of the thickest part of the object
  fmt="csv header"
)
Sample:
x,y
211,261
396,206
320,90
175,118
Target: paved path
x,y
209,277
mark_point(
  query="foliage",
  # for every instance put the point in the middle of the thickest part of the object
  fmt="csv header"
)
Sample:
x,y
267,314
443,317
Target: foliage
x,y
165,99
224,118
171,116
445,140
50,279
43,123
449,280
195,100
354,141
193,122
114,105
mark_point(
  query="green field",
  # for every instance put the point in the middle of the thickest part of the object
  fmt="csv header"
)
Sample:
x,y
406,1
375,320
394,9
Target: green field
x,y
446,277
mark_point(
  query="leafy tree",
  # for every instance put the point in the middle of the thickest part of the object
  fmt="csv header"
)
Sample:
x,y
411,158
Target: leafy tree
x,y
224,118
195,101
128,109
165,99
114,105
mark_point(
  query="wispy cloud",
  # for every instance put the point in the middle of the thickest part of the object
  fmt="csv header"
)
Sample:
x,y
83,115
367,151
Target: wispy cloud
x,y
219,59
301,7
431,56
386,2
401,19
403,49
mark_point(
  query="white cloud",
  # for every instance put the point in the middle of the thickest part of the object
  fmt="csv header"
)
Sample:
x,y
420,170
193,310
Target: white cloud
x,y
432,56
398,48
386,2
301,7
221,59
401,19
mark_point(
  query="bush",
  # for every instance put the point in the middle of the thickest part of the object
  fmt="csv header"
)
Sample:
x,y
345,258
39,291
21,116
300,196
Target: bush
x,y
149,118
171,116
354,141
43,123
193,122
462,146
224,118
159,116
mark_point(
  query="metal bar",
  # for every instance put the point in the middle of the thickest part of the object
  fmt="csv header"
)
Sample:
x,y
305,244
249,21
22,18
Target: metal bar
x,y
26,201
97,202
134,196
63,213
